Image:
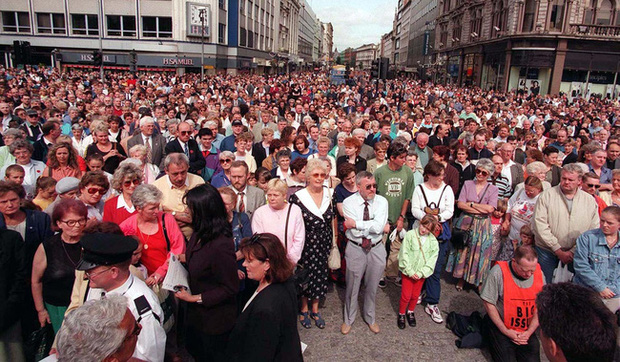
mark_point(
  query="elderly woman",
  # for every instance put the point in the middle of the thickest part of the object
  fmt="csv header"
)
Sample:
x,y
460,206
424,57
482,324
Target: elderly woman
x,y
93,185
53,271
352,147
158,232
272,308
596,257
520,211
126,178
112,152
318,212
283,159
222,178
301,148
477,200
322,145
149,170
537,169
22,151
290,230
297,180
9,136
62,162
79,140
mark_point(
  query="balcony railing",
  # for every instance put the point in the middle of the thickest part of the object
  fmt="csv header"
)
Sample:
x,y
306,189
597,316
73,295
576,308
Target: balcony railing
x,y
595,30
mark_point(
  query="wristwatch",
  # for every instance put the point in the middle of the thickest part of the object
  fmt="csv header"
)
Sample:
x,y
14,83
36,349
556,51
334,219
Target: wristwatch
x,y
471,204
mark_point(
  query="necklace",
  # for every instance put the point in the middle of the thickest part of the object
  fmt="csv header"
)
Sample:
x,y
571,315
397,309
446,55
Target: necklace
x,y
62,242
145,238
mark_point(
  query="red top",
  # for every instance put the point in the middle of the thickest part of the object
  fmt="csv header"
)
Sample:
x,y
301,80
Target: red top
x,y
155,251
519,303
113,214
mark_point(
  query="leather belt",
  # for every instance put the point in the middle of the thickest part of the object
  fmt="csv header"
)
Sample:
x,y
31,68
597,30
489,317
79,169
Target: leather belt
x,y
360,244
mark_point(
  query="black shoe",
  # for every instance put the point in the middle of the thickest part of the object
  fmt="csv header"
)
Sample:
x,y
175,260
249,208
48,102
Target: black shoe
x,y
411,319
401,321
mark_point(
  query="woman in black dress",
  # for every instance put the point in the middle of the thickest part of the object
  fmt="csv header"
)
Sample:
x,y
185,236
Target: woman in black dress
x,y
317,209
112,152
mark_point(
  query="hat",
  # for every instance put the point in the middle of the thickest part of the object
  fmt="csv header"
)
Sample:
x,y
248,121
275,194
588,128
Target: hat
x,y
237,123
105,249
67,184
32,112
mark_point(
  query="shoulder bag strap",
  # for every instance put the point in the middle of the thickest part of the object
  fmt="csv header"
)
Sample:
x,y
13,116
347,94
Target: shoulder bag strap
x,y
163,224
424,195
288,215
484,193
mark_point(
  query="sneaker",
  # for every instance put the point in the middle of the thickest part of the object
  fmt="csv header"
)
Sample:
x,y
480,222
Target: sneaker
x,y
398,281
382,283
433,311
401,321
411,319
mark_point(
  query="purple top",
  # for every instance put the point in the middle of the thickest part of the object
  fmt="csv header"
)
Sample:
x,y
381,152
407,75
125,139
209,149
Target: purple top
x,y
468,194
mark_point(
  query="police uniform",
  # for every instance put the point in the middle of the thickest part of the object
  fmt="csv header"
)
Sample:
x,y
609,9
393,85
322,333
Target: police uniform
x,y
107,249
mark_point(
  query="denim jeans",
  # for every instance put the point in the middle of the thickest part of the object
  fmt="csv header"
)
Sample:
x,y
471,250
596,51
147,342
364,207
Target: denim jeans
x,y
432,283
548,262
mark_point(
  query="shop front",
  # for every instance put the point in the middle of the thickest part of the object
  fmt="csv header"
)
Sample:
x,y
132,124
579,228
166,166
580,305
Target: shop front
x,y
530,70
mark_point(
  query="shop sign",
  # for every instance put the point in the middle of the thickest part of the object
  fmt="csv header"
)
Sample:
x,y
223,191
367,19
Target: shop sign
x,y
178,61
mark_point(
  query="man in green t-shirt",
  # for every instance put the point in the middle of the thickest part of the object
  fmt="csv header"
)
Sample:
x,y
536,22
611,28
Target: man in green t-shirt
x,y
395,183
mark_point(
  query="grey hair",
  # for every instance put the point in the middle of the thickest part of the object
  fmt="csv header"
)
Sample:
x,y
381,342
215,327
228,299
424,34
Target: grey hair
x,y
21,143
77,127
172,121
362,175
225,155
176,158
92,332
421,135
18,134
535,167
312,165
146,194
125,170
209,124
146,119
72,108
573,168
342,135
359,131
137,148
100,127
487,165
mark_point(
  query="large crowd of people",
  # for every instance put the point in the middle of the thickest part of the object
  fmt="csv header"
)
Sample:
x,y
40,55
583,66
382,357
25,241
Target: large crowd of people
x,y
270,187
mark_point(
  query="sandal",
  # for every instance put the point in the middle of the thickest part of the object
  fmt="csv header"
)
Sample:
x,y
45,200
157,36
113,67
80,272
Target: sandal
x,y
318,320
305,322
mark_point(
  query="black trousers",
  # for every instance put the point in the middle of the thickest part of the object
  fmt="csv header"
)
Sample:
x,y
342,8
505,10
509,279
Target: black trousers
x,y
503,350
207,348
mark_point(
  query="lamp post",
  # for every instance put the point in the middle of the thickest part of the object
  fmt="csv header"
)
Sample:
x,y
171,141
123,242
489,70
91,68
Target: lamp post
x,y
100,11
202,44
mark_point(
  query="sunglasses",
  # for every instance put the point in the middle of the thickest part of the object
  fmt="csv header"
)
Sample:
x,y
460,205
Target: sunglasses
x,y
185,132
481,172
226,160
136,182
371,186
593,185
95,190
319,175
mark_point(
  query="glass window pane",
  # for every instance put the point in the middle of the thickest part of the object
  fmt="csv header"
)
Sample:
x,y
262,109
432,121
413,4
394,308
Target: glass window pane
x,y
24,22
93,24
165,24
129,22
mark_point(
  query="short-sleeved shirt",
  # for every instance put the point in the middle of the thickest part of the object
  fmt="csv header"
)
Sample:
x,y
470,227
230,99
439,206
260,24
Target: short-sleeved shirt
x,y
396,187
468,194
504,188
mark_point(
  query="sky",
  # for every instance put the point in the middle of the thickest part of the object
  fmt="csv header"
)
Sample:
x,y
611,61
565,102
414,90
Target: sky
x,y
356,22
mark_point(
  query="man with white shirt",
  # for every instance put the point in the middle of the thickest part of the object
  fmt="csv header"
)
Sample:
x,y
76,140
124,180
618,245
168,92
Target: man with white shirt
x,y
366,216
155,143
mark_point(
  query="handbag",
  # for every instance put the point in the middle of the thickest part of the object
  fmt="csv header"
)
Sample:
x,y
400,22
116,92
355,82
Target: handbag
x,y
40,342
301,276
333,261
461,235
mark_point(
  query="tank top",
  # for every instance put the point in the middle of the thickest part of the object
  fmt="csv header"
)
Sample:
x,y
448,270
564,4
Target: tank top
x,y
58,278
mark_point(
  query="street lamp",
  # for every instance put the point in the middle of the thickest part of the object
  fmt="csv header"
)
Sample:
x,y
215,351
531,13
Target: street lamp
x,y
202,44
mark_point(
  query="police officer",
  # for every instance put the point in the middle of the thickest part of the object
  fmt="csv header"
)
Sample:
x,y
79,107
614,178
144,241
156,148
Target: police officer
x,y
105,260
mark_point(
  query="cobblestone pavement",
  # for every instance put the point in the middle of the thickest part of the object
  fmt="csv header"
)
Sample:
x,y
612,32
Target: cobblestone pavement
x,y
426,342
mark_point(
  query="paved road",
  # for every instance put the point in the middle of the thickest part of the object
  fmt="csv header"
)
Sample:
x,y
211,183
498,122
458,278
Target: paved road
x,y
426,342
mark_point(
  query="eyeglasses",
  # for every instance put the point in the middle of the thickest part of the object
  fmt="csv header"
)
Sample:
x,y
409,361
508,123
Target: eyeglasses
x,y
319,175
371,186
226,160
90,275
185,132
94,190
593,185
136,182
137,327
72,223
482,172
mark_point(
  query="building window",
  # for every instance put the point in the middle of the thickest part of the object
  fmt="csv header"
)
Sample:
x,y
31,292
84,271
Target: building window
x,y
443,35
397,44
557,15
15,22
222,4
601,12
242,37
499,21
457,27
398,29
528,17
250,39
51,23
242,7
221,33
121,25
156,27
85,24
475,24
446,6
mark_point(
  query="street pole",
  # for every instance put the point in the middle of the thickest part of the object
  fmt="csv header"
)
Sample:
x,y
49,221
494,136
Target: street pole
x,y
202,45
100,38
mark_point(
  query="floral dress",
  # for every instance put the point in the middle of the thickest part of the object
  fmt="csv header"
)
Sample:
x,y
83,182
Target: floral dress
x,y
319,234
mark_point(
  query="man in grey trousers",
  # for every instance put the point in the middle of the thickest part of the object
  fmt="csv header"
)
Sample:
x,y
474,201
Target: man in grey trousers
x,y
366,215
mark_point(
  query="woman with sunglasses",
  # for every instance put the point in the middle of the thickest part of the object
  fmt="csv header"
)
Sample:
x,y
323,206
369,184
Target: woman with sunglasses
x,y
159,233
62,162
93,185
213,278
222,178
477,201
53,270
125,180
271,312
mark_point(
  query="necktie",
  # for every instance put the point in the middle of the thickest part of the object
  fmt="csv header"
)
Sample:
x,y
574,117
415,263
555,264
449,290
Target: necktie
x,y
241,203
186,150
149,157
365,241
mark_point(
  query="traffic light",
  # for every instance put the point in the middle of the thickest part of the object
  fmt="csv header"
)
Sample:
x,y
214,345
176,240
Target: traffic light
x,y
384,66
97,58
133,60
374,69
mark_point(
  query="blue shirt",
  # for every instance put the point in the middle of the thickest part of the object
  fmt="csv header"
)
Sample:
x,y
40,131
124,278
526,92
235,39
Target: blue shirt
x,y
605,174
596,265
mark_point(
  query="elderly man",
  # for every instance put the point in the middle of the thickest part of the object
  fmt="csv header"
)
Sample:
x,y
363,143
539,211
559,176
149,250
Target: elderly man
x,y
508,295
106,259
424,152
249,198
100,330
266,118
184,144
510,169
563,306
562,213
174,185
598,166
365,216
155,143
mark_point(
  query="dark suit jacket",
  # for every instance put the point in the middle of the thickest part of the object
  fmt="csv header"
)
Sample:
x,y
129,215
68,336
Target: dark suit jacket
x,y
158,148
40,151
519,156
196,161
259,154
436,141
212,270
13,286
360,163
554,175
267,328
